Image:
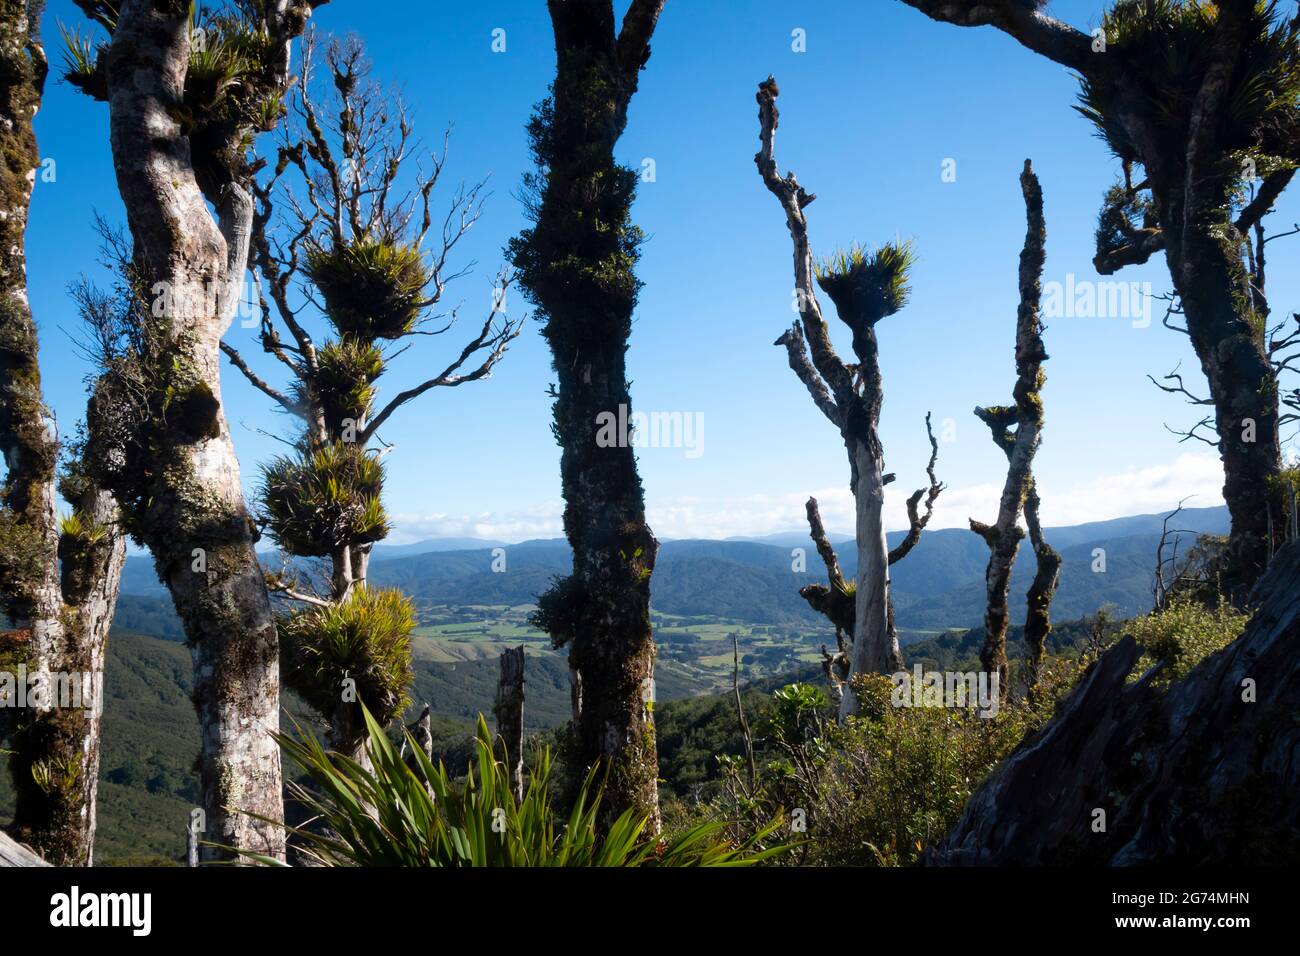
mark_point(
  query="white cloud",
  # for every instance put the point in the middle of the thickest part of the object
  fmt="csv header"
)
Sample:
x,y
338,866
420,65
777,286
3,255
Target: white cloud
x,y
1144,491
543,521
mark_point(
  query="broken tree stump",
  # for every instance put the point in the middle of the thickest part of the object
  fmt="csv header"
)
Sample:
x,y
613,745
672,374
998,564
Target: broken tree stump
x,y
509,711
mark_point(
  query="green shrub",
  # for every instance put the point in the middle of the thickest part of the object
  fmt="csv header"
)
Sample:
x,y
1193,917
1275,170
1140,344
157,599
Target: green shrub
x,y
878,789
1184,633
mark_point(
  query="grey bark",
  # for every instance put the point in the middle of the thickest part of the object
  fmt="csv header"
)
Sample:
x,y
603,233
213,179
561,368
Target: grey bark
x,y
15,854
189,508
856,413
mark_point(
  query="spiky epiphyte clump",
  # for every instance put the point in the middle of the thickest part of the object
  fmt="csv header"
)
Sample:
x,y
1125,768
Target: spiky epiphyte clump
x,y
1167,46
227,50
373,288
867,287
323,500
344,382
365,639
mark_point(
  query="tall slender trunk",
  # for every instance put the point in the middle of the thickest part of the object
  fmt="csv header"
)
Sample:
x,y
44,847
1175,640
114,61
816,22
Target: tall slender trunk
x,y
611,648
188,506
46,766
875,645
509,712
1017,430
576,265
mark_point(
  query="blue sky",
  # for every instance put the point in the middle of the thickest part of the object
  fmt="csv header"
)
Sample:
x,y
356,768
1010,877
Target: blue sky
x,y
870,112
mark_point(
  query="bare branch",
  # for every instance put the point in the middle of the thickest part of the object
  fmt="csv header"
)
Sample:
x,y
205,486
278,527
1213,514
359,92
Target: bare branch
x,y
797,350
793,198
1021,20
494,338
916,521
634,40
237,360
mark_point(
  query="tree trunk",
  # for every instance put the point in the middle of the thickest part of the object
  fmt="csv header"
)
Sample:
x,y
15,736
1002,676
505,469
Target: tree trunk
x,y
189,506
15,854
91,579
875,645
1020,446
1038,620
29,537
509,711
56,757
1130,774
1229,341
576,265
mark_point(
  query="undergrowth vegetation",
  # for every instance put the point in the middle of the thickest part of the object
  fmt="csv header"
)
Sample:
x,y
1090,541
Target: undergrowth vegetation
x,y
406,811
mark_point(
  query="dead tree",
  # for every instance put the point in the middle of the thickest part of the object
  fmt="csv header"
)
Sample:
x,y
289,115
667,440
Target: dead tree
x,y
837,602
865,288
1192,99
181,122
1017,430
509,712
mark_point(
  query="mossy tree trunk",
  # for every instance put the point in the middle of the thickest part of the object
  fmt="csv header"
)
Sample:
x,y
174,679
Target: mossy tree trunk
x,y
576,265
1017,430
63,620
27,433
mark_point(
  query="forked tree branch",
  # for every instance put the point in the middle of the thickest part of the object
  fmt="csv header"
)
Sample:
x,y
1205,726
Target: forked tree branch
x,y
793,198
916,520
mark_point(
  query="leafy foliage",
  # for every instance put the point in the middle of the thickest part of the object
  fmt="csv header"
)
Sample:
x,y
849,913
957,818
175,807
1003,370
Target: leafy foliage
x,y
1167,46
399,815
344,384
1185,632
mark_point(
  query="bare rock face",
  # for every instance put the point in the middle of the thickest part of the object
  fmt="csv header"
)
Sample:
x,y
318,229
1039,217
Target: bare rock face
x,y
15,854
1205,771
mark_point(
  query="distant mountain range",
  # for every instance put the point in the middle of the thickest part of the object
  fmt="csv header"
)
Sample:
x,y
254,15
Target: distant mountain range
x,y
939,585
